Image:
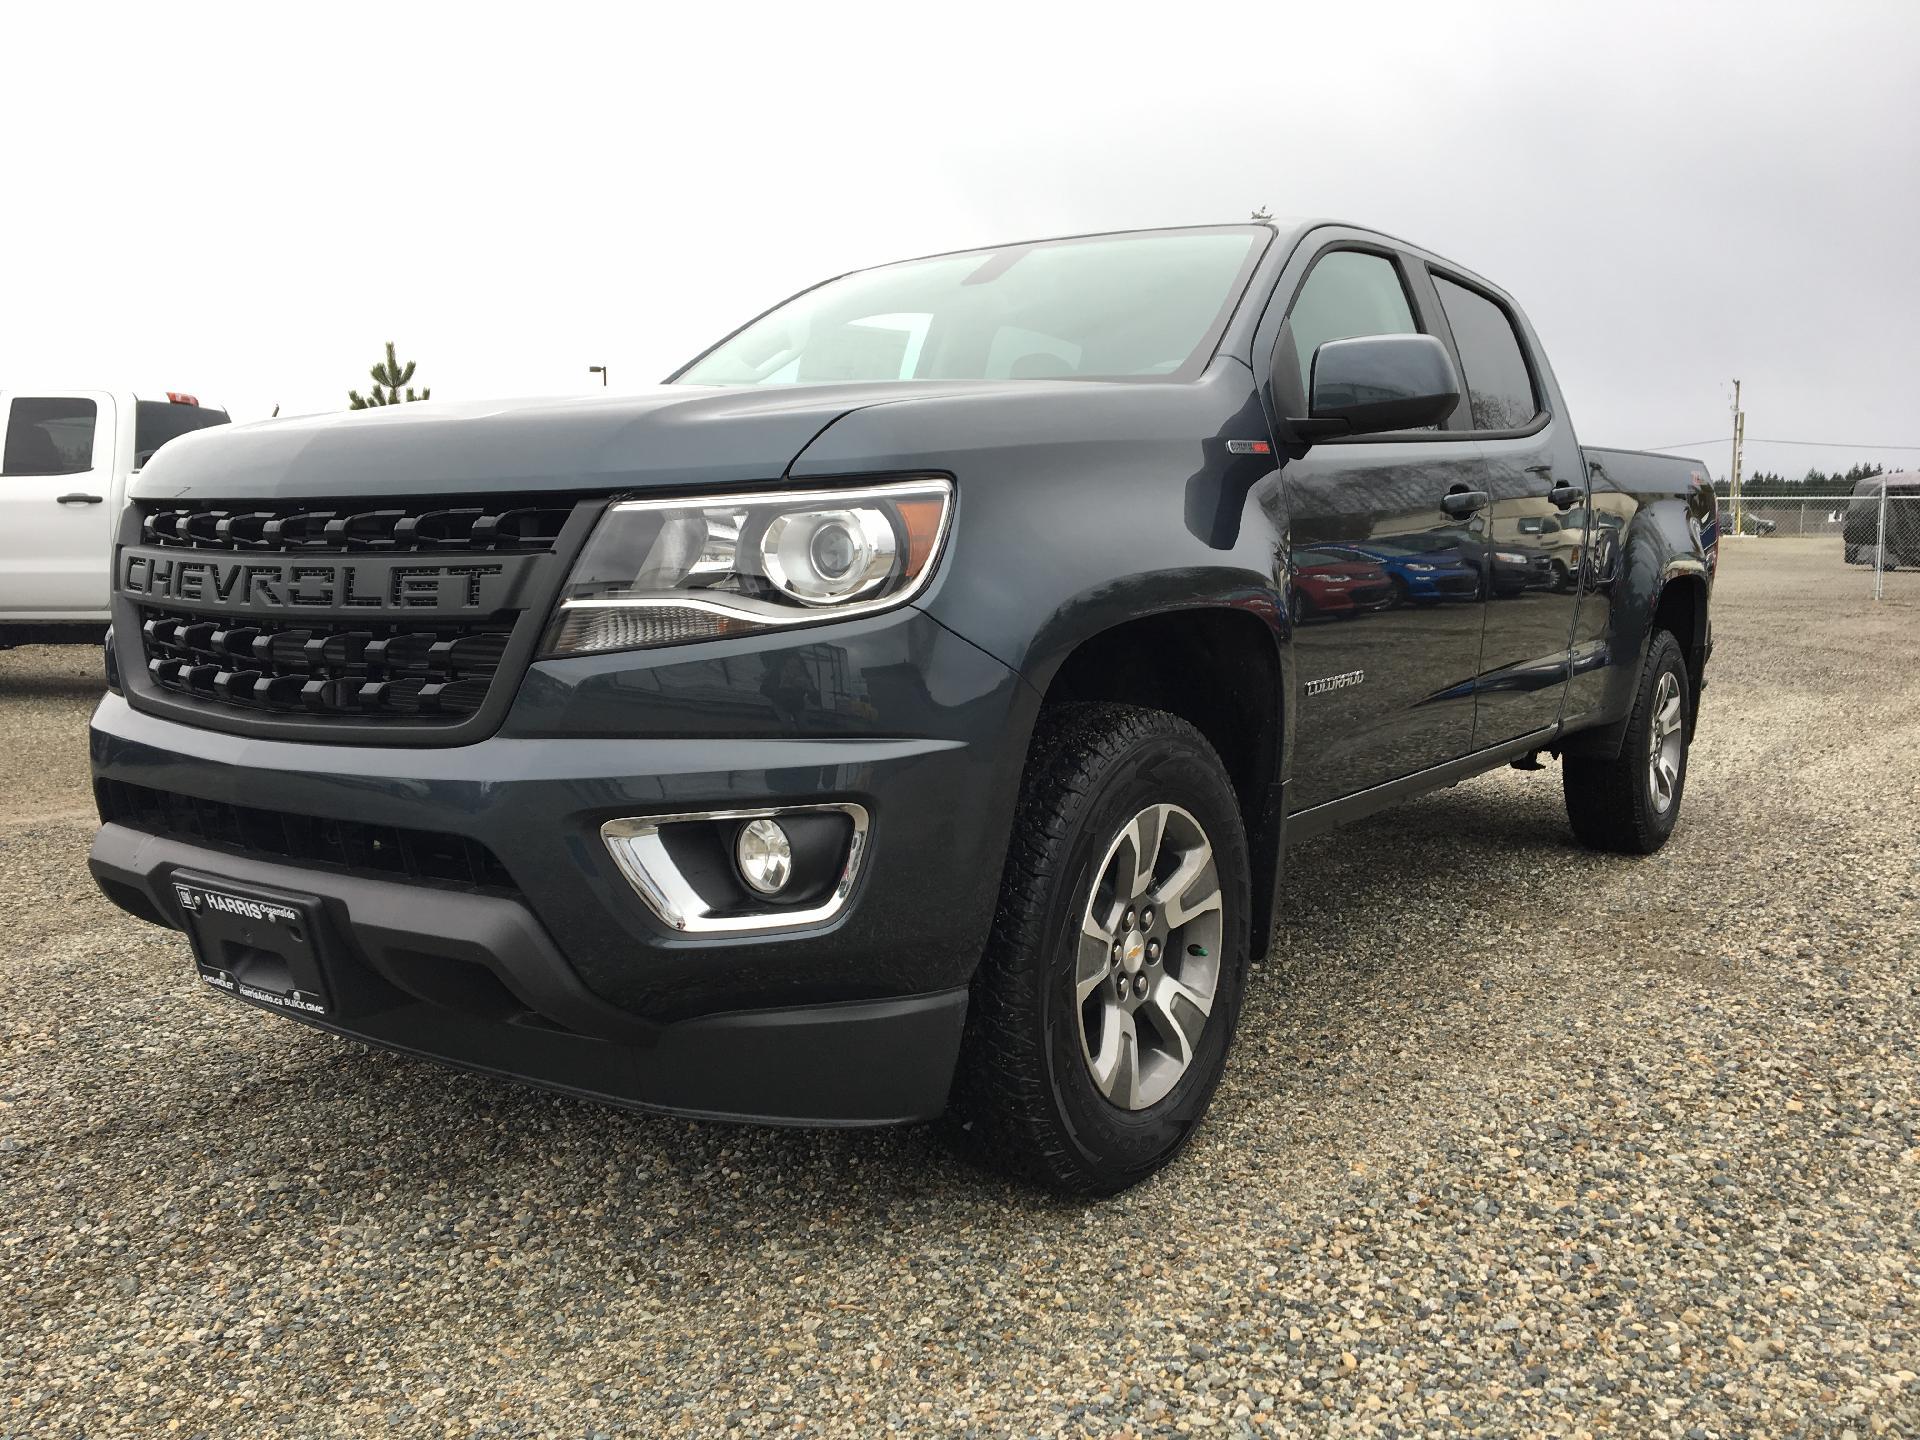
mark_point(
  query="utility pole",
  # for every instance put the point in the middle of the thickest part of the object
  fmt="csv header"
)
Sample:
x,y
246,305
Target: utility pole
x,y
1739,432
599,370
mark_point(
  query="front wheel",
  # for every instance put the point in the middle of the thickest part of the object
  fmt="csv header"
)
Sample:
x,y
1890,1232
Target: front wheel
x,y
1630,804
1104,1008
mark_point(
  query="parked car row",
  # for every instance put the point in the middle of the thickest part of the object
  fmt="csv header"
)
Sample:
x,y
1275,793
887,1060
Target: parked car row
x,y
1349,579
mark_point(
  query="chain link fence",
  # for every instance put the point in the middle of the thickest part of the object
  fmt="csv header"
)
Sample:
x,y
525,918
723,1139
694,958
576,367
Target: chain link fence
x,y
1874,535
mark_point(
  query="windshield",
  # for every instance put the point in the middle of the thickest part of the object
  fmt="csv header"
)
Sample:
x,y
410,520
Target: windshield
x,y
1326,557
1104,307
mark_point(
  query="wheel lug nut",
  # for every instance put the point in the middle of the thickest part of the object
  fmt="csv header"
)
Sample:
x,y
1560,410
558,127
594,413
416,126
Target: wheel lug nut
x,y
1130,917
1146,919
1139,985
1120,984
1153,951
1116,949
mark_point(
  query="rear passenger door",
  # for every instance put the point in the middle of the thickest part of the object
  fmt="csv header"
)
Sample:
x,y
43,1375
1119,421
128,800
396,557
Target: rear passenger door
x,y
1384,690
1534,474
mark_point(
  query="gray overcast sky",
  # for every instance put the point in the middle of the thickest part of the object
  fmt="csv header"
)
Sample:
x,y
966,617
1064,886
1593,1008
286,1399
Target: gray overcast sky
x,y
245,203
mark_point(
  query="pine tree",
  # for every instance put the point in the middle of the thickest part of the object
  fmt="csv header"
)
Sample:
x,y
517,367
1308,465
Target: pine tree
x,y
392,375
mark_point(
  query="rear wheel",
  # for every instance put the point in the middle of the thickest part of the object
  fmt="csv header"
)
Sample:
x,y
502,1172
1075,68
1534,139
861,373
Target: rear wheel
x,y
1630,804
1105,1006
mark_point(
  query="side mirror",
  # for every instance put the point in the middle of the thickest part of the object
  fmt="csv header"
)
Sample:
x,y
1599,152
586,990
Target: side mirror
x,y
1375,383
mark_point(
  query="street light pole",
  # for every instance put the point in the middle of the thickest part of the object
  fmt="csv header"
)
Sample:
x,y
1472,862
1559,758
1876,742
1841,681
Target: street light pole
x,y
601,371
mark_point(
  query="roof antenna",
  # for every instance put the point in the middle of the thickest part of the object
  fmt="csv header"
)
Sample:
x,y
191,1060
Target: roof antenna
x,y
1261,214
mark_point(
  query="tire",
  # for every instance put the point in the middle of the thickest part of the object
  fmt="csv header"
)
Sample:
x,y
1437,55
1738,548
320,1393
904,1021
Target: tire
x,y
1043,1012
1562,576
1630,804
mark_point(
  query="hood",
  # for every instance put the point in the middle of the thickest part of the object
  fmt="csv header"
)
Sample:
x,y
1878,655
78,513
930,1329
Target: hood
x,y
678,436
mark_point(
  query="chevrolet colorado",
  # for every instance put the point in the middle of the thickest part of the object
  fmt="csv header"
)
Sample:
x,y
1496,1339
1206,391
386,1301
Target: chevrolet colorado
x,y
902,709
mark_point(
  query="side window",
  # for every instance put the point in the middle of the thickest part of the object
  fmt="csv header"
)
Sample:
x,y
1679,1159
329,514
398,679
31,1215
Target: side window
x,y
1498,385
49,437
1349,293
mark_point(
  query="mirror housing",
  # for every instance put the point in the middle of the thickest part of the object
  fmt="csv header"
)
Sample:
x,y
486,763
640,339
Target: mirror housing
x,y
1376,383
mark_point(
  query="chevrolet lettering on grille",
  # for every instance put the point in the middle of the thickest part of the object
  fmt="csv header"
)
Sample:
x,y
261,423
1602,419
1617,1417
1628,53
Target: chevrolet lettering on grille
x,y
405,585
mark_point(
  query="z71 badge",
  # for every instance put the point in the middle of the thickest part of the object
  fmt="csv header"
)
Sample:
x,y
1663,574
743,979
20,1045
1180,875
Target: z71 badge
x,y
1336,682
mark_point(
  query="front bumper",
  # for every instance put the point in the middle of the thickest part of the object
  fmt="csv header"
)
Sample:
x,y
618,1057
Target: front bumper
x,y
1445,585
567,978
474,981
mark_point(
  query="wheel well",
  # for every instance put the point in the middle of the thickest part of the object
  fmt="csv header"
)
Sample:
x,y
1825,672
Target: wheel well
x,y
1216,669
1219,670
1682,612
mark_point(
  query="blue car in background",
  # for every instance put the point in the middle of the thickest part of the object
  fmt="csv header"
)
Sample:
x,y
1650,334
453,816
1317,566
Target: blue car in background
x,y
1425,569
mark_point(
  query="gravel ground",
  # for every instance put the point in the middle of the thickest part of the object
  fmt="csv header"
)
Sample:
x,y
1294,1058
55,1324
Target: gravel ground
x,y
1621,1148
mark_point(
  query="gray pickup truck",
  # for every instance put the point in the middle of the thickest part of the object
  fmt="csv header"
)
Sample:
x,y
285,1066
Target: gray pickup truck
x,y
907,707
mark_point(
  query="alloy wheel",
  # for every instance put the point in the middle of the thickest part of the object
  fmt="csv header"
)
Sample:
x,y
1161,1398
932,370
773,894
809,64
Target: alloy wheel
x,y
1148,956
1666,739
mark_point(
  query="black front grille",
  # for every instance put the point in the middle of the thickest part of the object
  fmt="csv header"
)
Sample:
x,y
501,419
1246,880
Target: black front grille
x,y
382,850
392,529
326,666
280,657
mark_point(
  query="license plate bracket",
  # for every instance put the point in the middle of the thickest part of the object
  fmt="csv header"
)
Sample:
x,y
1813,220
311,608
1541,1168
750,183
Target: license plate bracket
x,y
255,942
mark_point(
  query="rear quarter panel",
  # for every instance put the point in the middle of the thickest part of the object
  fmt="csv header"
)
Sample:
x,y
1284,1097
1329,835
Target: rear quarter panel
x,y
1652,521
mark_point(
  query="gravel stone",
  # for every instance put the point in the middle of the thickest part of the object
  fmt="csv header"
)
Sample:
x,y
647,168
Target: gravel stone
x,y
1517,1140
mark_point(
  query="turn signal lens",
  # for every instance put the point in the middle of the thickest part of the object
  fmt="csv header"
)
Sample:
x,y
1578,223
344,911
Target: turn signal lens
x,y
665,572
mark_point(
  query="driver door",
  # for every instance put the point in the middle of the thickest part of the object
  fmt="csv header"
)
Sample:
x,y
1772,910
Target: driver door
x,y
1387,681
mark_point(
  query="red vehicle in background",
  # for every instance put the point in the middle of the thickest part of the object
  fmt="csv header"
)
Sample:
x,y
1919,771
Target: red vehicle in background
x,y
1331,580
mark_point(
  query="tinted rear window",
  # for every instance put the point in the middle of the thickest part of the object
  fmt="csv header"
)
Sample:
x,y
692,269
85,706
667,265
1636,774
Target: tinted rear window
x,y
1498,382
158,421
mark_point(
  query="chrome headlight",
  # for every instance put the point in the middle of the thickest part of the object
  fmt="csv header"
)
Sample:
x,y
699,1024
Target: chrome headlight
x,y
664,572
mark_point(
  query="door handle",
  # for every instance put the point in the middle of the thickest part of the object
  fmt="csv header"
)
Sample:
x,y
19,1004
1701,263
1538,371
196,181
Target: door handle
x,y
1460,502
78,499
1563,495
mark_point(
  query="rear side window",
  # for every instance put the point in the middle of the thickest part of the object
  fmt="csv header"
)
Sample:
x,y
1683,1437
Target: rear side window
x,y
49,436
1498,385
1349,293
158,421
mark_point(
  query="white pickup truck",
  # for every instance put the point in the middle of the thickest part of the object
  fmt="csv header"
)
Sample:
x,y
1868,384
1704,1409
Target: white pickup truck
x,y
65,458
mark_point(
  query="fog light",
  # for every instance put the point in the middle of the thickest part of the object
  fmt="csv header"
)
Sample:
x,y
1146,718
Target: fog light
x,y
764,855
